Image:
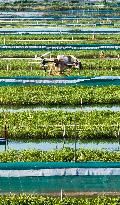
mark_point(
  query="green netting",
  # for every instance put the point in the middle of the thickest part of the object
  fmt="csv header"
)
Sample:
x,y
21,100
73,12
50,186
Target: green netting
x,y
54,165
60,81
56,183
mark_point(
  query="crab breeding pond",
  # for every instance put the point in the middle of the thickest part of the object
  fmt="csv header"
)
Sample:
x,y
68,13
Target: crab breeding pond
x,y
51,148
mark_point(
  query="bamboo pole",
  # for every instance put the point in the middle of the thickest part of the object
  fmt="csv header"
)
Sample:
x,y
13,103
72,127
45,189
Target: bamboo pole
x,y
64,135
4,41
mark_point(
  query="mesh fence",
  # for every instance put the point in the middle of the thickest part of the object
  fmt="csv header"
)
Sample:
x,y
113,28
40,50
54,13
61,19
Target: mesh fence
x,y
56,183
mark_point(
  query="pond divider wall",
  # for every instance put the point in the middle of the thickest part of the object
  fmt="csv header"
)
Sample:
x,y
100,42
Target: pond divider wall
x,y
52,177
61,81
23,169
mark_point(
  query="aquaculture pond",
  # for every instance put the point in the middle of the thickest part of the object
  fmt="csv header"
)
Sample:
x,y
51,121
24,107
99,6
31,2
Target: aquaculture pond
x,y
89,134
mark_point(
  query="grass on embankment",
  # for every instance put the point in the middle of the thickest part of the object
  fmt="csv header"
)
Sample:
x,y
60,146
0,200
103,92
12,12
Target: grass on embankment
x,y
42,200
87,64
63,155
49,125
83,54
59,95
73,72
35,199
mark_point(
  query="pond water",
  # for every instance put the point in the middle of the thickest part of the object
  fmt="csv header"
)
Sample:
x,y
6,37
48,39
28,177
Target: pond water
x,y
85,108
38,13
51,25
60,29
54,145
53,17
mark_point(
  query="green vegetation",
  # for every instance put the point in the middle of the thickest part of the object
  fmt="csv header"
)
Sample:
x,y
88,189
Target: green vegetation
x,y
26,5
56,125
63,155
65,23
55,95
49,124
43,200
56,42
81,39
93,64
32,71
90,54
102,37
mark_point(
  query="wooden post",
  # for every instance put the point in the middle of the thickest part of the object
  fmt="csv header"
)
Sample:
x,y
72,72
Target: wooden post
x,y
5,145
4,40
63,135
31,68
81,101
7,67
5,132
93,37
6,136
